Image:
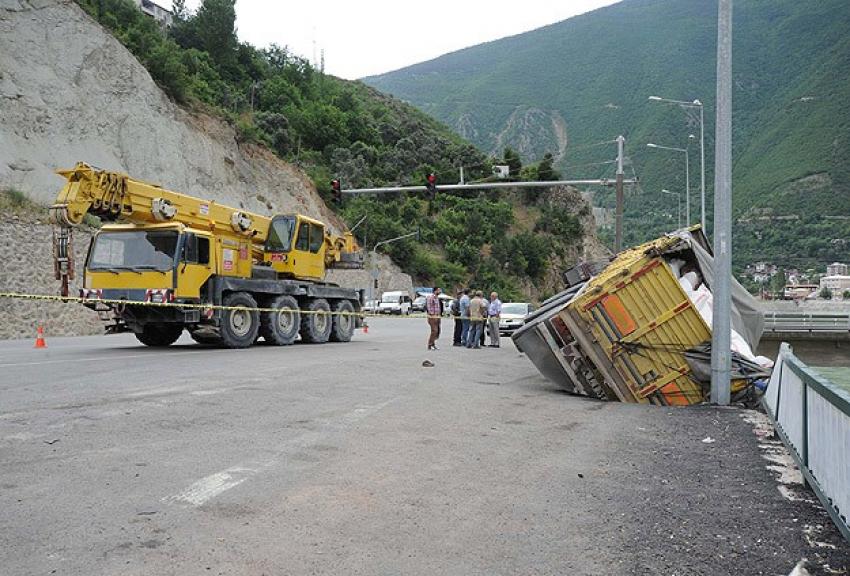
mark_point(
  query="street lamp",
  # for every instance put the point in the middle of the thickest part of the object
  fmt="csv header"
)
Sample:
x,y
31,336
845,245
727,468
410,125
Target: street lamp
x,y
687,177
694,104
678,206
374,257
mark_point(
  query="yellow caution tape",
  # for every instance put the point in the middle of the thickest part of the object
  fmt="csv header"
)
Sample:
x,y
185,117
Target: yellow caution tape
x,y
80,300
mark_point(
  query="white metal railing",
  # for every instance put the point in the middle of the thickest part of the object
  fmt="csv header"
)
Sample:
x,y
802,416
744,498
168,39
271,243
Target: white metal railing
x,y
806,322
812,416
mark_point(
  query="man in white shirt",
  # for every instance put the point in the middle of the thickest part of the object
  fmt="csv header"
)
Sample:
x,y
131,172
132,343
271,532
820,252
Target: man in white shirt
x,y
494,311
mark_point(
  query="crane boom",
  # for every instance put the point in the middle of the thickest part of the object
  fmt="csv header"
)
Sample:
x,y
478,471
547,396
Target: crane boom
x,y
114,196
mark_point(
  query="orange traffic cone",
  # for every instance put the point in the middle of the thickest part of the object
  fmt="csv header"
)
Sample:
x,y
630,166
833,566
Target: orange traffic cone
x,y
39,338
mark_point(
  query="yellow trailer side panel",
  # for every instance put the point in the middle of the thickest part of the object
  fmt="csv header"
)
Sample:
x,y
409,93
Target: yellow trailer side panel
x,y
643,322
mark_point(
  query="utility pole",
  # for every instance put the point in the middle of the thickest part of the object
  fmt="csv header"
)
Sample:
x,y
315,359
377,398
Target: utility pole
x,y
618,223
721,316
702,165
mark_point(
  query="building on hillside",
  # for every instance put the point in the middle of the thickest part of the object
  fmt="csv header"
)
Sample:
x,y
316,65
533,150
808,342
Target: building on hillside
x,y
836,283
836,269
798,291
162,15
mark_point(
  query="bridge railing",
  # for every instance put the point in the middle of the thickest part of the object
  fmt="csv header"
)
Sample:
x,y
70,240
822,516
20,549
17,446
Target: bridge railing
x,y
812,416
806,322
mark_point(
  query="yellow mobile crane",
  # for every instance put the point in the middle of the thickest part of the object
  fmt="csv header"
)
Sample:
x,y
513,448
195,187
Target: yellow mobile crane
x,y
174,248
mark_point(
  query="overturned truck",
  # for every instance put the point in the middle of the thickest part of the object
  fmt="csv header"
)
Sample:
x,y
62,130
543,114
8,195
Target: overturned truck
x,y
640,330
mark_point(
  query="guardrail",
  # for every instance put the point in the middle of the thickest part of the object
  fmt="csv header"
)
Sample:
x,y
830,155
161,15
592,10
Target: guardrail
x,y
805,322
812,416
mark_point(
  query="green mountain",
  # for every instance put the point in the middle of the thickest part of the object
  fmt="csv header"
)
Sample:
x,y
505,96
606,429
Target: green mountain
x,y
568,87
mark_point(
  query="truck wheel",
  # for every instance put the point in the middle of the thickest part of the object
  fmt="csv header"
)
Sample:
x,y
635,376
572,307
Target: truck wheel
x,y
159,335
316,325
281,328
343,322
239,328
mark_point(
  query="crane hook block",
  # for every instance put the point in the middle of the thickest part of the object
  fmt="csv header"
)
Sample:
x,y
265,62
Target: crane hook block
x,y
240,222
162,209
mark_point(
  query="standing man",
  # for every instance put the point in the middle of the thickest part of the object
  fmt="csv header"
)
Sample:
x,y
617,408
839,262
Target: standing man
x,y
477,309
433,310
494,311
455,309
464,316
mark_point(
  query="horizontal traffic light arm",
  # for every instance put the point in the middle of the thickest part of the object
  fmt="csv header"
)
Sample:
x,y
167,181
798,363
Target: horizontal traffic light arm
x,y
490,186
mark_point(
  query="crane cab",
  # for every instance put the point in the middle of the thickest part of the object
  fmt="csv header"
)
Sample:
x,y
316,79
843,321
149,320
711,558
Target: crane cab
x,y
295,247
146,263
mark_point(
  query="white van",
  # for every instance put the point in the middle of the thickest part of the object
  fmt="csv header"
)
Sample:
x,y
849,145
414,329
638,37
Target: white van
x,y
397,302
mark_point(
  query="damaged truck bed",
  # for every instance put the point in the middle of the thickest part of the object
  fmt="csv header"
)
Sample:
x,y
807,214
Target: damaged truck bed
x,y
639,330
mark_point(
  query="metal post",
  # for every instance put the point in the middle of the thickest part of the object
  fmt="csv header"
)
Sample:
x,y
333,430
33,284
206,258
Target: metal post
x,y
461,176
721,324
687,190
702,166
679,210
618,223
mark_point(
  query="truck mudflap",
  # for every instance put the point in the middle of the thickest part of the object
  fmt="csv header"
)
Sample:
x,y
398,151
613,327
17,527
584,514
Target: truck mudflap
x,y
624,334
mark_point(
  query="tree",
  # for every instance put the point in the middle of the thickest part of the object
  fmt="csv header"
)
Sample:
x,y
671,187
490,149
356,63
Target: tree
x,y
845,295
545,171
825,293
215,27
512,159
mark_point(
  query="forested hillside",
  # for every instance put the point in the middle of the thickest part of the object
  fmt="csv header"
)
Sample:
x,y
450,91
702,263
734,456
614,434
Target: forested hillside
x,y
336,128
569,86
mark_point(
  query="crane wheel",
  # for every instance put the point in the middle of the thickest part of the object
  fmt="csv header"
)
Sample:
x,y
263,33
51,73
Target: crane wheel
x,y
159,335
281,327
343,323
317,323
239,328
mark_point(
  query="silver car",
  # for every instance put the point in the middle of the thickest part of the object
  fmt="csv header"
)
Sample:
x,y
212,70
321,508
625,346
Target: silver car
x,y
513,316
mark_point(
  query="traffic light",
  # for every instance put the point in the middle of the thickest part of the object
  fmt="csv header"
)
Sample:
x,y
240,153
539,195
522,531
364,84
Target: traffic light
x,y
431,186
337,191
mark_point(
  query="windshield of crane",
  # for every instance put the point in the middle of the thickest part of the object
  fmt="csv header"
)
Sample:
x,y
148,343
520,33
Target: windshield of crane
x,y
134,250
280,234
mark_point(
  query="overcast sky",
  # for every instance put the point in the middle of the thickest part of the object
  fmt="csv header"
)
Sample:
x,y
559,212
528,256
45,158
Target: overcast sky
x,y
366,37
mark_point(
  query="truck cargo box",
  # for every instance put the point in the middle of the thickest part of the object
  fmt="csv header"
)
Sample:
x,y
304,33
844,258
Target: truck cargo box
x,y
623,334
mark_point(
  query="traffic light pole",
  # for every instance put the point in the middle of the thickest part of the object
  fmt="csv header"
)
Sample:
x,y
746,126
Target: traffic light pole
x,y
487,186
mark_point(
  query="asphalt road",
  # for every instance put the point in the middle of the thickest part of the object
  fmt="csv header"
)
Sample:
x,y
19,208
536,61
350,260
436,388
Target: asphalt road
x,y
355,459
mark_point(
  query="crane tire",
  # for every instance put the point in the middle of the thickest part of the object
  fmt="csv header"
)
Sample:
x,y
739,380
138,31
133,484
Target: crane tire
x,y
344,322
281,328
316,324
159,335
239,328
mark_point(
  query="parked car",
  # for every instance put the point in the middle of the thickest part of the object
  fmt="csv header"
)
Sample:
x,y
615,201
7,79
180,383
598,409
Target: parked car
x,y
418,304
370,306
397,302
513,316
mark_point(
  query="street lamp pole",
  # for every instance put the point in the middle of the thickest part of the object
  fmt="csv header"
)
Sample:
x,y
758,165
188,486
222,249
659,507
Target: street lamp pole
x,y
687,178
678,196
694,104
374,257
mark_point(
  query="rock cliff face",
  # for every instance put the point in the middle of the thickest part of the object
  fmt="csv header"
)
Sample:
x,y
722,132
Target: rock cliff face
x,y
71,92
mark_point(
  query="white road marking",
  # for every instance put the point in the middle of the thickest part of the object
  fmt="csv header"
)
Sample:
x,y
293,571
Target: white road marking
x,y
213,485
